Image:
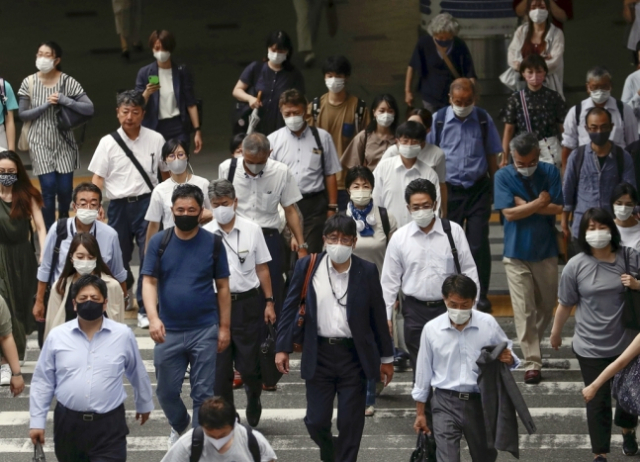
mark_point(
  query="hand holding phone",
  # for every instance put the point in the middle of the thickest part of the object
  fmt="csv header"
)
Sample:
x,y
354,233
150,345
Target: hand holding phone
x,y
154,80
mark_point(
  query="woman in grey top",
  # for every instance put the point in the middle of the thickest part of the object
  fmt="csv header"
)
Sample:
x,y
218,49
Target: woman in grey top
x,y
54,152
594,281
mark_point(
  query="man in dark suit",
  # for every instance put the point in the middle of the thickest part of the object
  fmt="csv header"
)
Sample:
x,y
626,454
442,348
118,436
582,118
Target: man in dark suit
x,y
346,338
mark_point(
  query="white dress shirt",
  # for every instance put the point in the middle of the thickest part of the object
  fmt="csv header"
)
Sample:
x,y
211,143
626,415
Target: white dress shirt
x,y
302,156
246,241
160,204
447,357
418,263
332,315
168,106
259,196
431,155
391,180
121,178
623,134
630,92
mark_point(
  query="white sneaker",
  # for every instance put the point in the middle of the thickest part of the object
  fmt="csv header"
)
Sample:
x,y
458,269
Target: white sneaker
x,y
143,321
175,436
187,374
5,374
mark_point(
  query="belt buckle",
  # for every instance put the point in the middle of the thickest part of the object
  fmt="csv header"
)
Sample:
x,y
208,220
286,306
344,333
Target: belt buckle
x,y
132,199
87,417
234,298
463,396
333,341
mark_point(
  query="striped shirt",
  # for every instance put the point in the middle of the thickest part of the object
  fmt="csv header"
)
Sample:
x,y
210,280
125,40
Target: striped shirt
x,y
50,149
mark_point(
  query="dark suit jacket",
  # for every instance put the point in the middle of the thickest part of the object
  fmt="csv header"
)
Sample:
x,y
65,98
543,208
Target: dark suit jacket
x,y
366,315
182,88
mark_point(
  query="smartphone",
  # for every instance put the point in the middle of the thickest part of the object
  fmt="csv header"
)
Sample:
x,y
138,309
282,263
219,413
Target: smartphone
x,y
154,80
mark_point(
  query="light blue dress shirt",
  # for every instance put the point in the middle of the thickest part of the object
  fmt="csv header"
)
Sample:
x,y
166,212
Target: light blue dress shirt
x,y
447,357
108,242
464,148
86,376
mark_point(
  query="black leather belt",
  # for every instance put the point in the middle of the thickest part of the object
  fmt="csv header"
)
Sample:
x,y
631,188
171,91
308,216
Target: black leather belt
x,y
311,195
344,341
269,232
89,416
133,198
430,304
460,395
244,295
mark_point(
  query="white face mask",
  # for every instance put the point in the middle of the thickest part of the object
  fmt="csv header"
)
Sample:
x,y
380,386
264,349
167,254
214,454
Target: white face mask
x,y
600,96
385,119
219,443
423,218
276,58
462,111
527,171
177,166
294,123
409,151
622,212
334,84
162,56
598,238
339,253
360,197
224,214
84,267
255,168
457,316
45,65
539,15
86,216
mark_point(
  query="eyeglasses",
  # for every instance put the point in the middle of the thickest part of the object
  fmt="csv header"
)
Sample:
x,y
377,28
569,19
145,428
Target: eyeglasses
x,y
180,155
415,208
332,240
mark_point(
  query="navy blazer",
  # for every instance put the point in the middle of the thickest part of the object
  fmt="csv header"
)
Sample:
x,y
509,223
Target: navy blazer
x,y
366,315
182,88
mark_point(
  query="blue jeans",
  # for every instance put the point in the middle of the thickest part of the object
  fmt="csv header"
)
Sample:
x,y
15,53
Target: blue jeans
x,y
52,184
198,348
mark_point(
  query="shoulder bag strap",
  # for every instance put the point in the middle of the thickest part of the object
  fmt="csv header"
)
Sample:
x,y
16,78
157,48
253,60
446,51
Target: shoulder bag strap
x,y
252,443
620,106
386,226
116,136
232,170
440,116
316,136
449,64
525,109
197,444
61,234
578,112
307,277
360,110
166,237
315,108
446,227
619,153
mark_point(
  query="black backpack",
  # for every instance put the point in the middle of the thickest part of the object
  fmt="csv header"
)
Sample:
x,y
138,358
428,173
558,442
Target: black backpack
x,y
619,104
483,118
197,444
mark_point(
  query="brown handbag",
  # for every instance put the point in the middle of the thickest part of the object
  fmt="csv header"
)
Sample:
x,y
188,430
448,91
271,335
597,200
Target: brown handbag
x,y
298,334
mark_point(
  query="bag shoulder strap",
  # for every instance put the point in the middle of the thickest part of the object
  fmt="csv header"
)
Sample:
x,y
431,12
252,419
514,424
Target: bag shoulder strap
x,y
386,226
446,227
359,116
116,136
578,112
316,136
525,110
217,245
307,277
232,170
197,444
315,108
61,234
483,118
252,443
450,65
167,234
620,106
440,116
619,153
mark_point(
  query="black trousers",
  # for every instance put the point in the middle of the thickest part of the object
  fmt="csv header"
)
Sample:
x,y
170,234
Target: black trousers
x,y
599,408
416,315
102,440
247,317
471,209
314,212
338,372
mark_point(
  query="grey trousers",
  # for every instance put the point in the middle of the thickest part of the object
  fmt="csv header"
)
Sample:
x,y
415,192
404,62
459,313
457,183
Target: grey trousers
x,y
454,417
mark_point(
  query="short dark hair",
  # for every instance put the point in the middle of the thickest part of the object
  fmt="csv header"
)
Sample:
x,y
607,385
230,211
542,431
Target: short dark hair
x,y
236,141
461,285
170,146
342,223
621,190
391,101
534,61
186,190
412,130
337,64
88,280
131,98
359,172
602,217
420,186
86,186
294,97
424,114
57,51
167,39
216,413
595,110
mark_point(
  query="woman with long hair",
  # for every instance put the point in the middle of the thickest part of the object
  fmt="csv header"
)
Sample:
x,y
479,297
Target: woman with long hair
x,y
83,258
20,202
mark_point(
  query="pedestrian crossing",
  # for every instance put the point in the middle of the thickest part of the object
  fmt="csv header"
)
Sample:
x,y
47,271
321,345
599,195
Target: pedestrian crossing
x,y
556,406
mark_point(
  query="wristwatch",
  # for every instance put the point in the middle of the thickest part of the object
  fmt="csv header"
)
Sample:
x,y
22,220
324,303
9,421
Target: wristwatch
x,y
304,245
333,207
196,129
270,299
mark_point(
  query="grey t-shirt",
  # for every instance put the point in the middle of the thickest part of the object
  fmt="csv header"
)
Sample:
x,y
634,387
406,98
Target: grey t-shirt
x,y
238,452
595,287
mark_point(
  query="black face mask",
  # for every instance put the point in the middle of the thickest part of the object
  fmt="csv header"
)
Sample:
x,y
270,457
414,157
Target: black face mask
x,y
600,139
444,43
186,223
89,310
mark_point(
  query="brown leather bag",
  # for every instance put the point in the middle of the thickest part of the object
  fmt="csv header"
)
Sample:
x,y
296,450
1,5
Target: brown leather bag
x,y
298,334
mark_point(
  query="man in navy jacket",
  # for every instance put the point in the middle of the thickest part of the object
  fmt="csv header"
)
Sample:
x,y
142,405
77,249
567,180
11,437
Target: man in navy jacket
x,y
346,338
